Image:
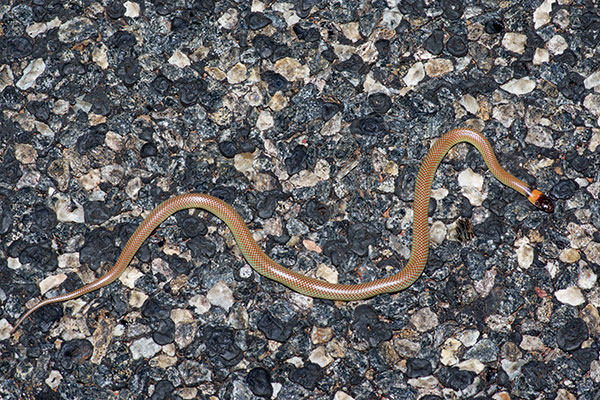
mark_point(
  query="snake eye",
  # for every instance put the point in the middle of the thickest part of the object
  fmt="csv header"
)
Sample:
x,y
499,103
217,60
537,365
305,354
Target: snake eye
x,y
544,204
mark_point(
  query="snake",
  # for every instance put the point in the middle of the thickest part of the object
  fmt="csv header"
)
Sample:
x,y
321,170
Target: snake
x,y
298,282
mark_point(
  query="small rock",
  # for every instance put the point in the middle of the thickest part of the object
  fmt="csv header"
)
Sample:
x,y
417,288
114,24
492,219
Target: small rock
x,y
469,103
569,256
541,15
525,256
471,184
541,56
321,335
415,74
339,395
519,86
448,355
424,320
237,74
557,45
31,73
291,69
200,303
468,337
514,42
587,278
321,357
592,81
438,67
77,29
220,295
532,343
51,282
132,9
592,103
265,120
592,251
485,351
144,348
327,273
571,296
179,59
25,153
437,232
229,19
540,137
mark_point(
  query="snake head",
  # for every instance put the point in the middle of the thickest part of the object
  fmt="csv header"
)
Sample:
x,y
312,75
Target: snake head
x,y
544,203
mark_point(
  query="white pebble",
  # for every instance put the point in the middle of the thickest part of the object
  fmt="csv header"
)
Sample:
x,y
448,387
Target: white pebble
x,y
571,296
592,81
519,86
415,74
525,256
321,357
514,42
31,73
220,295
179,59
541,15
144,348
587,278
557,45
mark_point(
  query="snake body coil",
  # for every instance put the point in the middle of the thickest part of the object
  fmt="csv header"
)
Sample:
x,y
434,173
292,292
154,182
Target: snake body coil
x,y
264,265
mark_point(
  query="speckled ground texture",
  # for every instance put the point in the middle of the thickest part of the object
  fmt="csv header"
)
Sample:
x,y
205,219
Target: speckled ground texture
x,y
309,117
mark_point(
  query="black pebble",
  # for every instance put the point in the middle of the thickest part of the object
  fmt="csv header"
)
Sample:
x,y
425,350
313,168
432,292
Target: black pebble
x,y
228,148
276,82
129,71
380,103
435,42
115,9
494,26
571,86
455,378
264,45
155,310
148,150
220,344
259,381
570,336
383,47
362,235
39,109
369,327
274,328
190,90
202,247
453,9
307,34
565,189
317,212
163,390
457,46
96,212
258,21
418,367
373,125
161,84
337,251
329,109
297,161
307,376
191,227
73,352
164,331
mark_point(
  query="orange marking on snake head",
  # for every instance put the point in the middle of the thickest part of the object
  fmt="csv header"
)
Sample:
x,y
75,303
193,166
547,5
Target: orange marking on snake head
x,y
541,201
